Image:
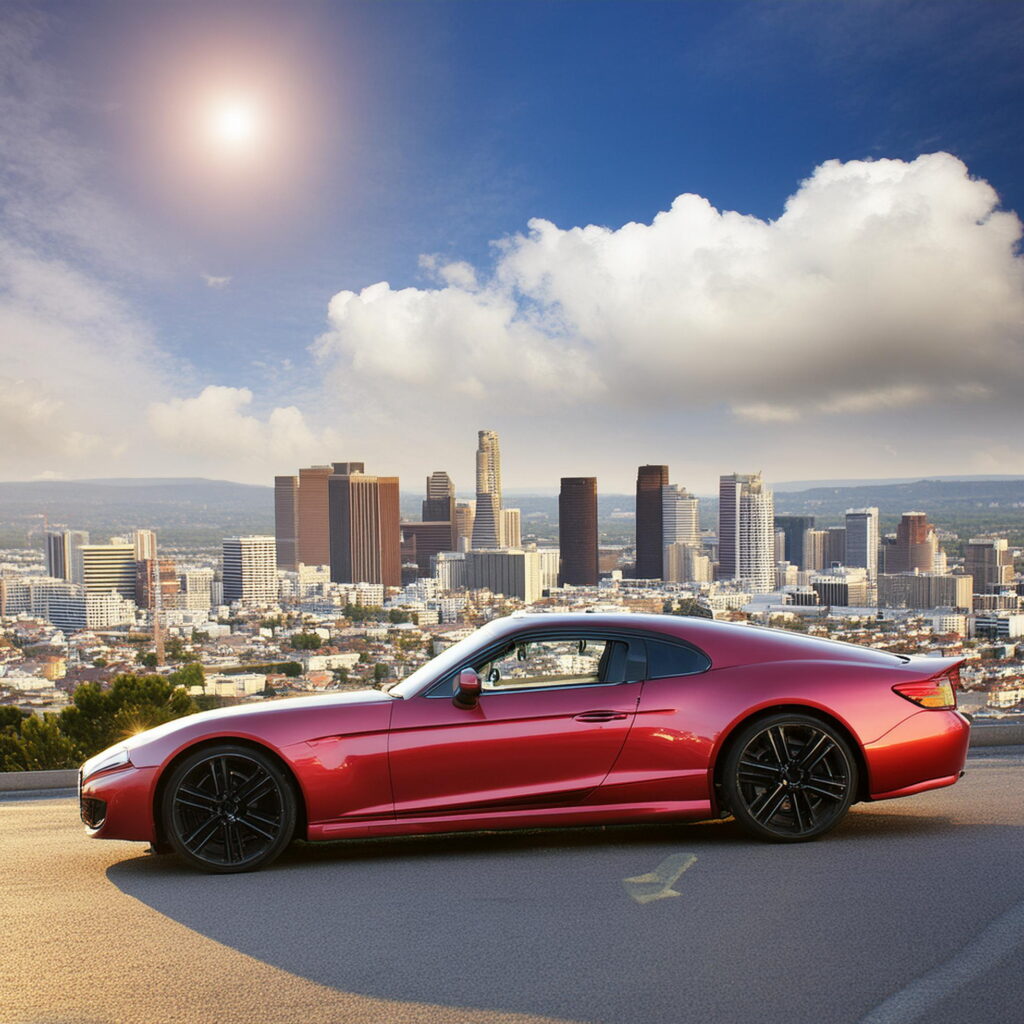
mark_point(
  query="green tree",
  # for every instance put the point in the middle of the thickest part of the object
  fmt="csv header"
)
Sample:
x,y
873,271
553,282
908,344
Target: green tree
x,y
306,642
98,718
11,718
341,675
380,672
40,746
148,659
292,669
188,675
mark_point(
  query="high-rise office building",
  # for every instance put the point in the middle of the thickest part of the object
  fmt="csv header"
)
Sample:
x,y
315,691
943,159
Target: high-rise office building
x,y
365,527
146,572
286,522
102,568
314,533
815,550
649,528
250,569
487,522
439,505
145,544
835,546
61,546
916,545
990,561
511,528
862,538
509,572
794,527
680,516
577,531
465,513
746,531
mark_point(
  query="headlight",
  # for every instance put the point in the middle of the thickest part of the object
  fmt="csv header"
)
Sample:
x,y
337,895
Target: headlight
x,y
112,757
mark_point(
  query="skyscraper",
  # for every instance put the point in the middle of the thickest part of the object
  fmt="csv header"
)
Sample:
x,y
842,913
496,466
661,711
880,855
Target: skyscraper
x,y
314,537
286,521
511,528
61,546
862,540
680,516
487,522
916,545
250,569
577,531
101,568
746,531
365,533
145,544
793,527
439,505
990,561
649,547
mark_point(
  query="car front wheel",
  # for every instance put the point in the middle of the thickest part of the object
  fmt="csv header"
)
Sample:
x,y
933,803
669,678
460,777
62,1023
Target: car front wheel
x,y
789,777
228,808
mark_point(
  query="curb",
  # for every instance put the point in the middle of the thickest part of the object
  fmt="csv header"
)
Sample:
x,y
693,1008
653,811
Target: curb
x,y
995,734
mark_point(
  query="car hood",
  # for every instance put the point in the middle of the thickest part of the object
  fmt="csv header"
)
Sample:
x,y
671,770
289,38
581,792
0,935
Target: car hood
x,y
252,713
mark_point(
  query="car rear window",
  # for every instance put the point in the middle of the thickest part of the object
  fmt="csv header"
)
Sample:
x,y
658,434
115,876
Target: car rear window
x,y
667,659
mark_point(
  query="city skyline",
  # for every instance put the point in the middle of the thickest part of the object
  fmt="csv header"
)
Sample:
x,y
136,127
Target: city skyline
x,y
226,284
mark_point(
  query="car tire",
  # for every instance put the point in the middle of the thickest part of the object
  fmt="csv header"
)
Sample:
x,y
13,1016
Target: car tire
x,y
789,777
228,808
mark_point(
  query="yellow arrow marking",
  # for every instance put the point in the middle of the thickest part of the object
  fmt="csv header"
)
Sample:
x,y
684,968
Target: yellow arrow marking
x,y
657,884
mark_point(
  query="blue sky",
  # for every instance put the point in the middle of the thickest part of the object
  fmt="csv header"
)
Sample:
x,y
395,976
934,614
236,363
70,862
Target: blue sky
x,y
165,314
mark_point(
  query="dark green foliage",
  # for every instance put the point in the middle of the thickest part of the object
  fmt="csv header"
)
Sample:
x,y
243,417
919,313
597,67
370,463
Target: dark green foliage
x,y
379,672
188,675
306,642
39,746
99,718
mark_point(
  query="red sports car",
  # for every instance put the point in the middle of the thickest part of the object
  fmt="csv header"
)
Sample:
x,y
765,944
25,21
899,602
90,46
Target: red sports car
x,y
541,720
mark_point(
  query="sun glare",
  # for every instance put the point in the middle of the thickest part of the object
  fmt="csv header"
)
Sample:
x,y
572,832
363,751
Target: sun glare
x,y
234,123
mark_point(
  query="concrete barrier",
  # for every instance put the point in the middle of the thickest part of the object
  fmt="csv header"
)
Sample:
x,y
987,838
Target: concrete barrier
x,y
16,782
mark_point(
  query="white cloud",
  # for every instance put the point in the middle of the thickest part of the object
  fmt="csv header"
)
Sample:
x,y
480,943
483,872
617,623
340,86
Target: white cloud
x,y
214,426
218,283
885,285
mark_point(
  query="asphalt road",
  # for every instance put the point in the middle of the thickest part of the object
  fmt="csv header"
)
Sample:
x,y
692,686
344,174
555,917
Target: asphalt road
x,y
912,910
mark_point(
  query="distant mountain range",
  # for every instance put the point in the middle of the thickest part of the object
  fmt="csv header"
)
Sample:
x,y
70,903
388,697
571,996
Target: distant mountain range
x,y
192,510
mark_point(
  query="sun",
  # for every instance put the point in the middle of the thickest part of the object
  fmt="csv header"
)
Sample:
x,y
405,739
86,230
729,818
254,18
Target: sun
x,y
234,123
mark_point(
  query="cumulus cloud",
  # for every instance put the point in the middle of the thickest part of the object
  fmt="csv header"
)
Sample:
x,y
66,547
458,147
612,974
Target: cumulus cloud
x,y
218,283
215,426
884,285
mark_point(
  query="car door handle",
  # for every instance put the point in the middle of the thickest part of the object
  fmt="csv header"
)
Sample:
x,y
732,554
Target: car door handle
x,y
601,716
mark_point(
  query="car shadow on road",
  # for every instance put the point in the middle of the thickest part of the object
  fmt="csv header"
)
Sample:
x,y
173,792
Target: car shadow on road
x,y
531,921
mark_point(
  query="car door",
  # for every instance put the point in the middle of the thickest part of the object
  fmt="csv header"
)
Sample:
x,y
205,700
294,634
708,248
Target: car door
x,y
552,718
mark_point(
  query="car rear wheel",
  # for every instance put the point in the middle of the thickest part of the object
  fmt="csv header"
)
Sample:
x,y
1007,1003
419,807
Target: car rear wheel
x,y
789,777
228,808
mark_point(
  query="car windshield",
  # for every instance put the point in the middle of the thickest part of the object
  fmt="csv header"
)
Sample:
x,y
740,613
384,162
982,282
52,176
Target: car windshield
x,y
447,661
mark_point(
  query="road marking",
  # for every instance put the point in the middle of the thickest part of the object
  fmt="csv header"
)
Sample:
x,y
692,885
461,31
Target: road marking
x,y
657,884
993,945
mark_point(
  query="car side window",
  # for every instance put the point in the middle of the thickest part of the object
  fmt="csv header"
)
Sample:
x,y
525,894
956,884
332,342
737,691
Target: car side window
x,y
668,659
538,663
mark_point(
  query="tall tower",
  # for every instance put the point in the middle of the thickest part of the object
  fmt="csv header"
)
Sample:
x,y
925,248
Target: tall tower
x,y
990,561
793,527
577,531
250,569
649,482
439,506
916,545
680,516
286,521
61,548
487,522
314,538
862,540
366,537
746,531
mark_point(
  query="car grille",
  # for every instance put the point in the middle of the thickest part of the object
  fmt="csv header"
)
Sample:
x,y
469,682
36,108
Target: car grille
x,y
93,811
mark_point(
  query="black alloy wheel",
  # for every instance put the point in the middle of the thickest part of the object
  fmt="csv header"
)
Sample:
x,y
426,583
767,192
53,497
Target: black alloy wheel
x,y
789,777
228,808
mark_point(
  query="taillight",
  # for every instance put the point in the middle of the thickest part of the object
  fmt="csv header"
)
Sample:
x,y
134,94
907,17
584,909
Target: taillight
x,y
938,693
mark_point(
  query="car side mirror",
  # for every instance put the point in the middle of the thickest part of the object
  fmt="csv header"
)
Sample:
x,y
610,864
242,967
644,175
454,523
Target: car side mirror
x,y
467,689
